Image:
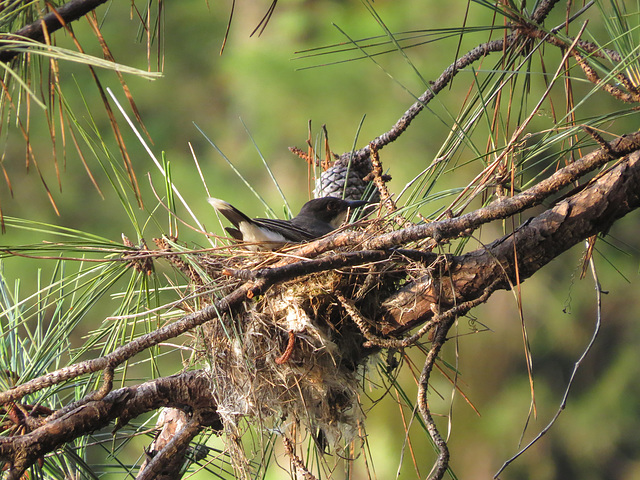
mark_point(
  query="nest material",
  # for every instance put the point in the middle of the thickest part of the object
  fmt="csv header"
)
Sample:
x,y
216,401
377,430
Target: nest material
x,y
315,385
260,378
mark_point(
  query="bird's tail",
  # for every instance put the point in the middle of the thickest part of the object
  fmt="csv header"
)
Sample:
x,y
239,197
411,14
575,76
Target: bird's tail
x,y
232,214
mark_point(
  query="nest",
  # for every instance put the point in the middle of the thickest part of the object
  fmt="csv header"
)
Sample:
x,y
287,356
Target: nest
x,y
293,357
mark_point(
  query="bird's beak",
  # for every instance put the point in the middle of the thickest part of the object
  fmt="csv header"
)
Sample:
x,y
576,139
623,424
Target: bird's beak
x,y
357,203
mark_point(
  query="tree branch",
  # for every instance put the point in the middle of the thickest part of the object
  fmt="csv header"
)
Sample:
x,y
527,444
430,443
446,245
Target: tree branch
x,y
375,246
51,22
464,225
190,391
123,353
521,31
535,243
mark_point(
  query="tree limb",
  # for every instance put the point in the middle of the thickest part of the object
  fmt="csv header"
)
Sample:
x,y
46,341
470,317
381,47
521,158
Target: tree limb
x,y
189,391
441,231
123,353
464,225
51,22
535,243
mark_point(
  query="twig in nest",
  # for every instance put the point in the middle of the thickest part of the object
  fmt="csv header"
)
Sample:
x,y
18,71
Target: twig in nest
x,y
284,358
598,138
297,462
363,324
138,259
178,262
288,271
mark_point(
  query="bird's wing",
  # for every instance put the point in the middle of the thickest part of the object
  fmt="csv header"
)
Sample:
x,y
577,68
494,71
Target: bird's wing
x,y
234,232
249,230
285,228
314,227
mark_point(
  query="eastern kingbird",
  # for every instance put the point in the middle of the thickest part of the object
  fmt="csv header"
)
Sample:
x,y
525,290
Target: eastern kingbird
x,y
316,218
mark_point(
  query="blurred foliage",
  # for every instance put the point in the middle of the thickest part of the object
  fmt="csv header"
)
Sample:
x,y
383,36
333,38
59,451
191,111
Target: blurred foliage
x,y
261,82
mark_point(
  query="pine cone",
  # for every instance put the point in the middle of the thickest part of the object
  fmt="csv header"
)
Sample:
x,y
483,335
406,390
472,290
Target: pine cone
x,y
331,182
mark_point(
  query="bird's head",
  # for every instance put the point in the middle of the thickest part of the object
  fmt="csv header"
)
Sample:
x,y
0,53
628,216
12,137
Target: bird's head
x,y
330,210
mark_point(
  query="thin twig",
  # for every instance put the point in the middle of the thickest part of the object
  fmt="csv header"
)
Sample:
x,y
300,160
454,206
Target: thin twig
x,y
301,468
442,463
125,352
576,366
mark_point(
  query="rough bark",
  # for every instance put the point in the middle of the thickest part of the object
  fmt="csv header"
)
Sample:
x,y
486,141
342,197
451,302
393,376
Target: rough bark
x,y
535,243
190,391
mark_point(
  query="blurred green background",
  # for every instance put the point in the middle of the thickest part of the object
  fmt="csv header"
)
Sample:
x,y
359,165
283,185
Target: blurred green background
x,y
260,82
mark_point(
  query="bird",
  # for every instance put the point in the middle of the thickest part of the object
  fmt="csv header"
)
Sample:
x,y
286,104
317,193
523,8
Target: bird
x,y
317,217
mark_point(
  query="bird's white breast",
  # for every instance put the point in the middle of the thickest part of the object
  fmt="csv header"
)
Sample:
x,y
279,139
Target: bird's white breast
x,y
254,234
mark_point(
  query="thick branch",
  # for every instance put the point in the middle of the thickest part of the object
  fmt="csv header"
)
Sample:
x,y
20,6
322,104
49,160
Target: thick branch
x,y
69,12
190,390
534,244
